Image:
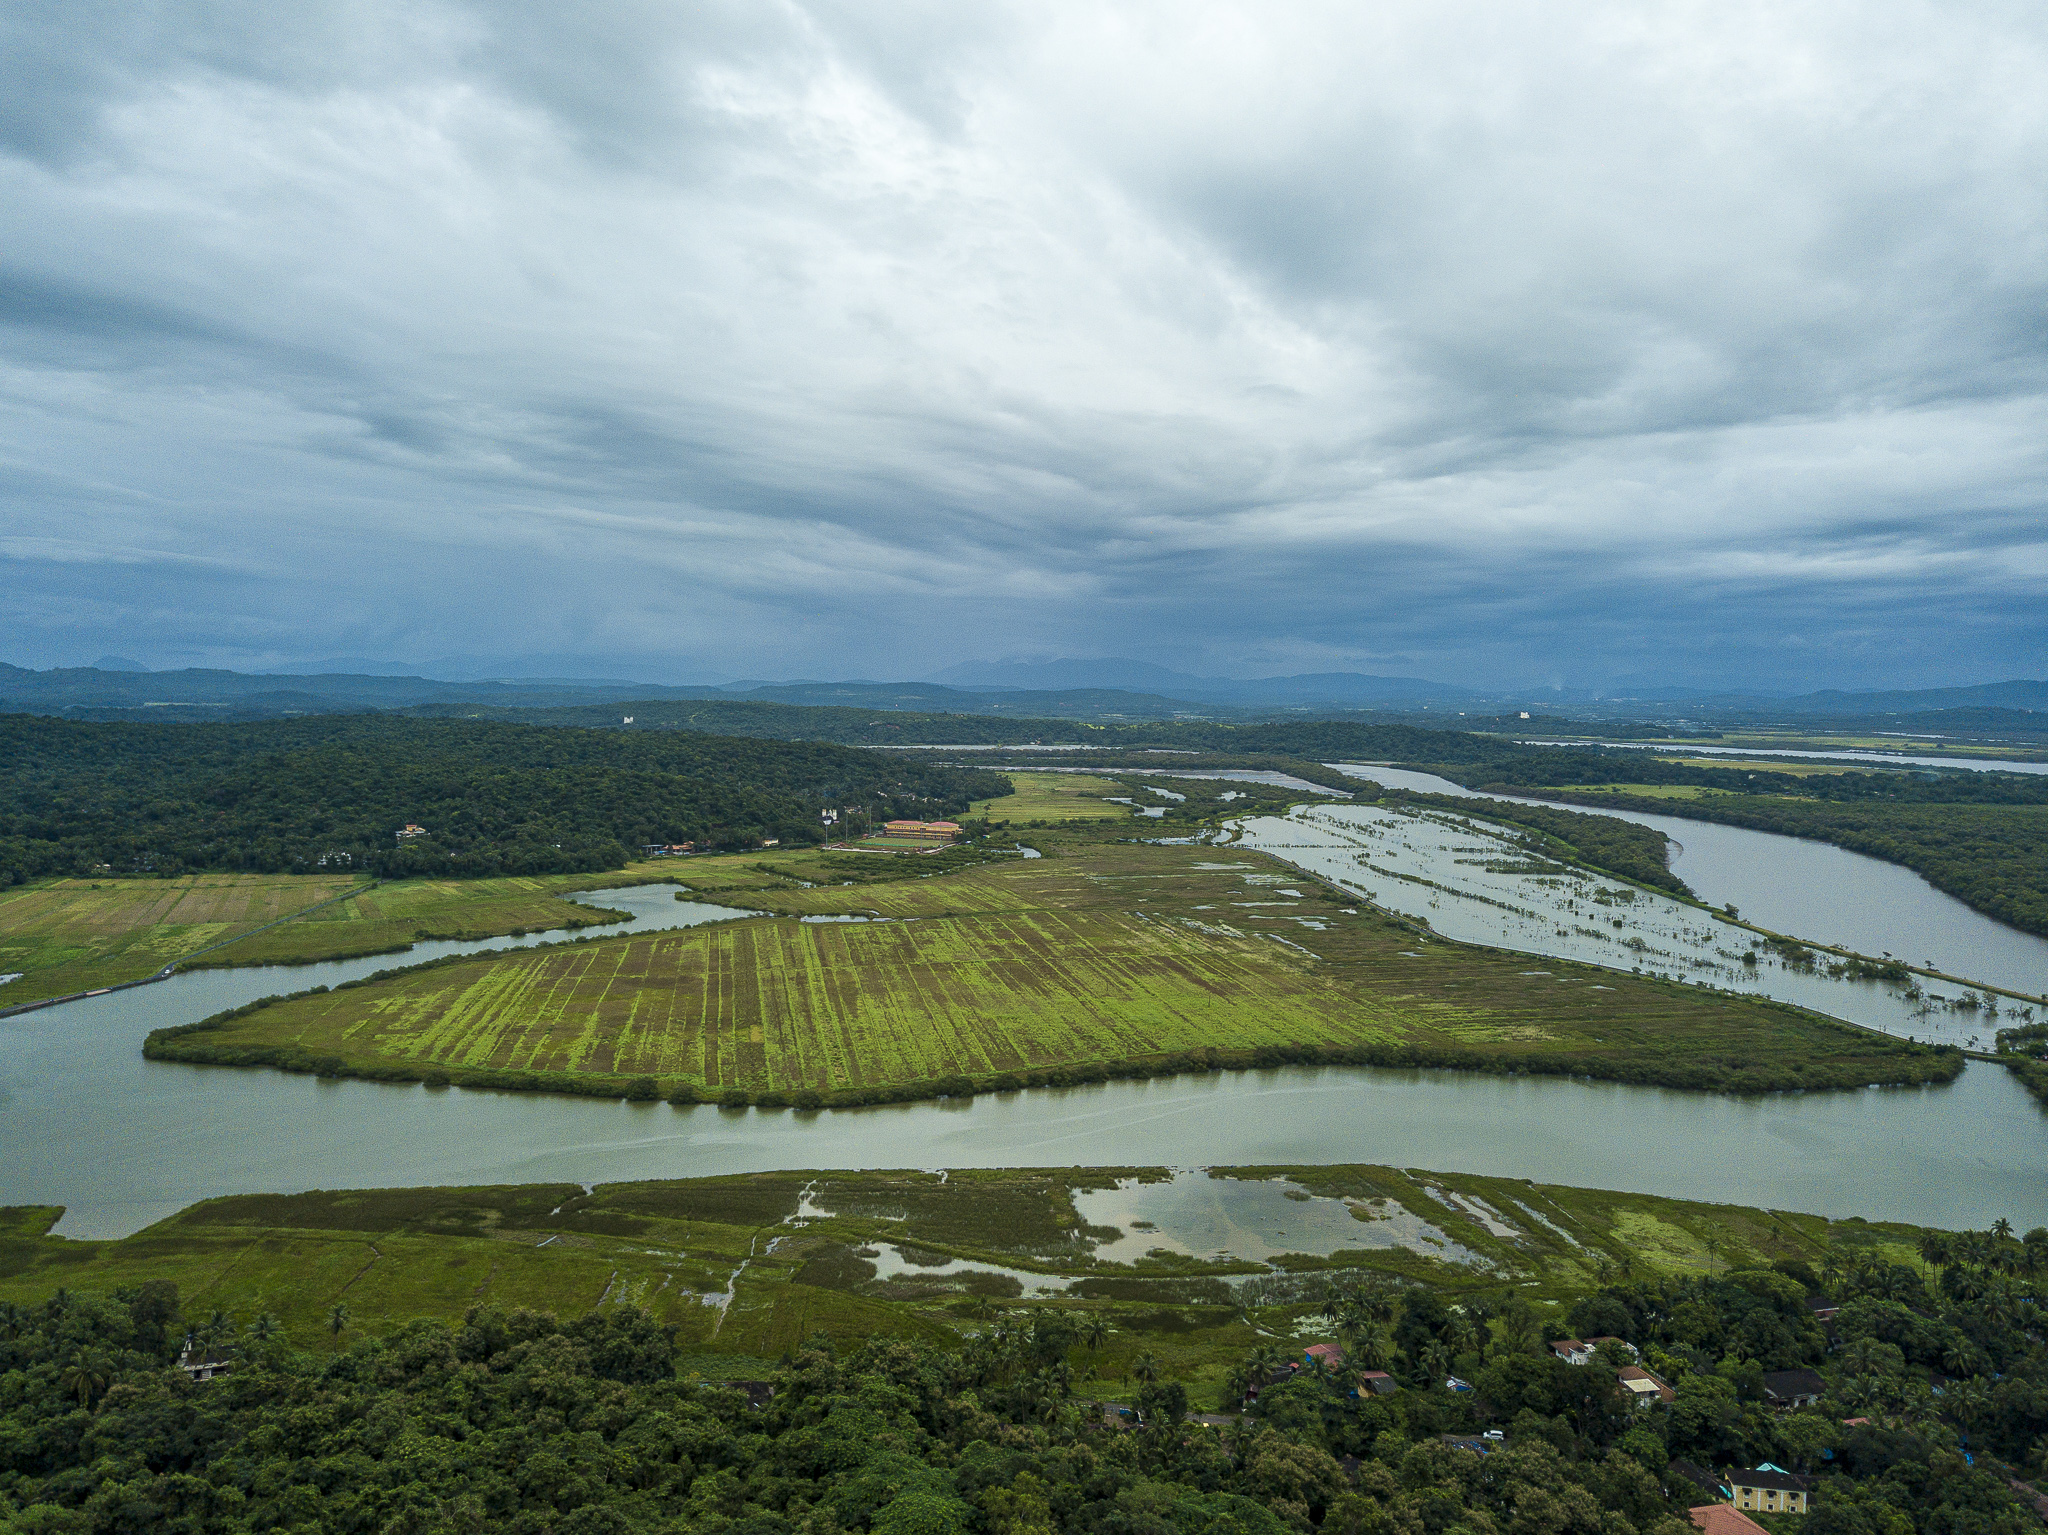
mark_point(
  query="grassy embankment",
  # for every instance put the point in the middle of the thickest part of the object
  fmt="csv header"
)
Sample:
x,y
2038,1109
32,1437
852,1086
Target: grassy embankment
x,y
67,935
392,1255
1101,959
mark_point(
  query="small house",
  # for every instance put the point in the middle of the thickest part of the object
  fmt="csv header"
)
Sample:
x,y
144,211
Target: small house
x,y
202,1361
1643,1389
1698,1478
1787,1389
1572,1351
1768,1490
1622,1344
1378,1382
1328,1355
1723,1519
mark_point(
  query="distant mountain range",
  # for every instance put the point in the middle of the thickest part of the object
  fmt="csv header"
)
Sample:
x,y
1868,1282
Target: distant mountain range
x,y
1106,689
1304,688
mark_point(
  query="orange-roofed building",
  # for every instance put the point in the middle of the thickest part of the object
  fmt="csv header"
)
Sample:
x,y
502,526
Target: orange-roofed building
x,y
922,831
1723,1519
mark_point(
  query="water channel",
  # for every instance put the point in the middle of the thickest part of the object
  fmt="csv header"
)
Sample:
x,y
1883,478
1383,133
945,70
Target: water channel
x,y
1815,891
87,1123
1795,755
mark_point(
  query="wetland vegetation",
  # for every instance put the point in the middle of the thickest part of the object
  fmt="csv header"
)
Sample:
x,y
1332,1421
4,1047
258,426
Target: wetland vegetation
x,y
1105,957
728,1357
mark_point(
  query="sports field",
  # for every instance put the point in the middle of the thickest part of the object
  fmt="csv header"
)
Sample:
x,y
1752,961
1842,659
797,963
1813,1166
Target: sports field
x,y
1054,797
1115,954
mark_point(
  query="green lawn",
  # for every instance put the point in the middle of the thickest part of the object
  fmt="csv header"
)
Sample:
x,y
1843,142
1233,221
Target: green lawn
x,y
1102,954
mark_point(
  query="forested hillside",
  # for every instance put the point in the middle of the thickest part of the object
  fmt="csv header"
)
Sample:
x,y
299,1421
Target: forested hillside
x,y
519,1422
493,798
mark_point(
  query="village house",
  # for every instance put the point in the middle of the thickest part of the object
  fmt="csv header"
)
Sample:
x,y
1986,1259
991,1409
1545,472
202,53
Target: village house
x,y
1623,1344
409,831
1572,1351
202,1361
1771,1491
1328,1355
1706,1482
1723,1519
1378,1382
1643,1389
1787,1389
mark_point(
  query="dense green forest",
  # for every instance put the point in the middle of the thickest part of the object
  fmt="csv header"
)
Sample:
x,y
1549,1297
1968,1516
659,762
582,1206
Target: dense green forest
x,y
522,1423
494,798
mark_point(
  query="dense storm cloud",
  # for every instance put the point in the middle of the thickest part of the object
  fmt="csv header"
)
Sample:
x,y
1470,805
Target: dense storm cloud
x,y
1481,343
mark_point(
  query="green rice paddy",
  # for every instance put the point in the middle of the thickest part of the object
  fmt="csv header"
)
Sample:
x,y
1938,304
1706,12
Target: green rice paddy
x,y
1103,955
1054,797
67,935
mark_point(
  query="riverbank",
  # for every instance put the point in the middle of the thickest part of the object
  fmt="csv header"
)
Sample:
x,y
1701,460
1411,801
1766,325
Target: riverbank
x,y
752,1265
69,937
1106,961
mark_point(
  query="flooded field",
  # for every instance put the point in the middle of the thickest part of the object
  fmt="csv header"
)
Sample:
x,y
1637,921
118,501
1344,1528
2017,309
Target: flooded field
x,y
1472,881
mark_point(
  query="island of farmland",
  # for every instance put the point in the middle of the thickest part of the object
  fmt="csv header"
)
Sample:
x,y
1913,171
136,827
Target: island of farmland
x,y
1103,958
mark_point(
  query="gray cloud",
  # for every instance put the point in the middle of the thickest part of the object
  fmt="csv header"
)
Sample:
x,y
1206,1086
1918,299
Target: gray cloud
x,y
832,339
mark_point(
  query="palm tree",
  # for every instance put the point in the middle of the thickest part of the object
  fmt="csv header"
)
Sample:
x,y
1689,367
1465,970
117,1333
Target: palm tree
x,y
264,1327
1096,1332
2001,1228
1960,1356
337,1318
1375,1349
1937,1249
84,1377
1832,1273
1145,1368
1436,1361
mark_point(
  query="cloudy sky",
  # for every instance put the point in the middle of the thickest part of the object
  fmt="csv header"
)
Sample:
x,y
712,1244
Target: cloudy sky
x,y
1488,343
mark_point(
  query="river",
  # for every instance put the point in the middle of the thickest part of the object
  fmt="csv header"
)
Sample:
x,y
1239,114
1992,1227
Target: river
x,y
1794,755
121,1142
1813,890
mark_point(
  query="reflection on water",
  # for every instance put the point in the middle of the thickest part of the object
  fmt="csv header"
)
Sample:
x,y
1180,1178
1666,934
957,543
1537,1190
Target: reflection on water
x,y
1200,1214
1874,759
1470,881
87,1123
1819,892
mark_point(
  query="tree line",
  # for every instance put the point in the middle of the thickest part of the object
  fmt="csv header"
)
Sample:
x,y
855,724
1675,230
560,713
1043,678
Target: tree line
x,y
282,796
520,1422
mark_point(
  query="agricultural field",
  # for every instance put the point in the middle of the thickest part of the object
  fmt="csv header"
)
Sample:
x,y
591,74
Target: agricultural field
x,y
67,935
748,1268
1054,797
1101,958
391,917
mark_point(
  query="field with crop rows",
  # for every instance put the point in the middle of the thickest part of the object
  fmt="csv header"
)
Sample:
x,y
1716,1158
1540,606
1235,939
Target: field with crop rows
x,y
67,935
1112,953
1054,797
394,915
